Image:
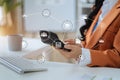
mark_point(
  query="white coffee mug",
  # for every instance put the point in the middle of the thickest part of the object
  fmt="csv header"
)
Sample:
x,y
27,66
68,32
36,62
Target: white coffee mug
x,y
15,42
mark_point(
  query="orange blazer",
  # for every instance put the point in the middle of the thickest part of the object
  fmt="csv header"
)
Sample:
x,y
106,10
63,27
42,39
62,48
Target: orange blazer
x,y
104,43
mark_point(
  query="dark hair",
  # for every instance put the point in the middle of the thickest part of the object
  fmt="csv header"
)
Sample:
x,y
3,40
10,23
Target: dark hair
x,y
90,18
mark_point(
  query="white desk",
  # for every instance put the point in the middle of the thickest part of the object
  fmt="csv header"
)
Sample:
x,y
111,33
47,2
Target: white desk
x,y
62,71
56,71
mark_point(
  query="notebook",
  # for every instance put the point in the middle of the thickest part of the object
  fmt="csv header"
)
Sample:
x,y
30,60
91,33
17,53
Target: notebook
x,y
21,65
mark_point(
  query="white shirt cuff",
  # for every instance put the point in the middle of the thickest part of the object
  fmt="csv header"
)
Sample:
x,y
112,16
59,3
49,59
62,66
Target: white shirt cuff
x,y
85,57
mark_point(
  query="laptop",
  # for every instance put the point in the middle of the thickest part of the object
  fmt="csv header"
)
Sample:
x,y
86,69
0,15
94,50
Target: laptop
x,y
21,65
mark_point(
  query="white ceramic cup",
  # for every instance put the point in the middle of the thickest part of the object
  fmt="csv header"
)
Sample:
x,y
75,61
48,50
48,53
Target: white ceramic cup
x,y
15,42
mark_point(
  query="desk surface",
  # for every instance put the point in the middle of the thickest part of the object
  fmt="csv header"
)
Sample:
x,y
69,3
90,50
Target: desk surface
x,y
56,71
62,71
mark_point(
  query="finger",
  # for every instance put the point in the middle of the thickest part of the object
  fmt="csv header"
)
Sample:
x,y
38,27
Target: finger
x,y
64,53
70,41
69,46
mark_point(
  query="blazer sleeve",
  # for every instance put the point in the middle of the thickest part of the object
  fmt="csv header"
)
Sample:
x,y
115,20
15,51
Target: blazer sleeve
x,y
109,57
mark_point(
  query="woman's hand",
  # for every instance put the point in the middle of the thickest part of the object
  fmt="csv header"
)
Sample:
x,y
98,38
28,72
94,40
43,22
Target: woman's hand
x,y
72,42
74,53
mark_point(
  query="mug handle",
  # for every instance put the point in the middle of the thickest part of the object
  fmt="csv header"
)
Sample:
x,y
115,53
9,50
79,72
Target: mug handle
x,y
26,44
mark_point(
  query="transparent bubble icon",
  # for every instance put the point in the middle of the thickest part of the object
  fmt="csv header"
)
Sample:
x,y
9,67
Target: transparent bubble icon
x,y
67,25
46,13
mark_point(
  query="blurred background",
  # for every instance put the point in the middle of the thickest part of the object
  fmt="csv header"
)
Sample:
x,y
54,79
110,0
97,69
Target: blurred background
x,y
27,17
